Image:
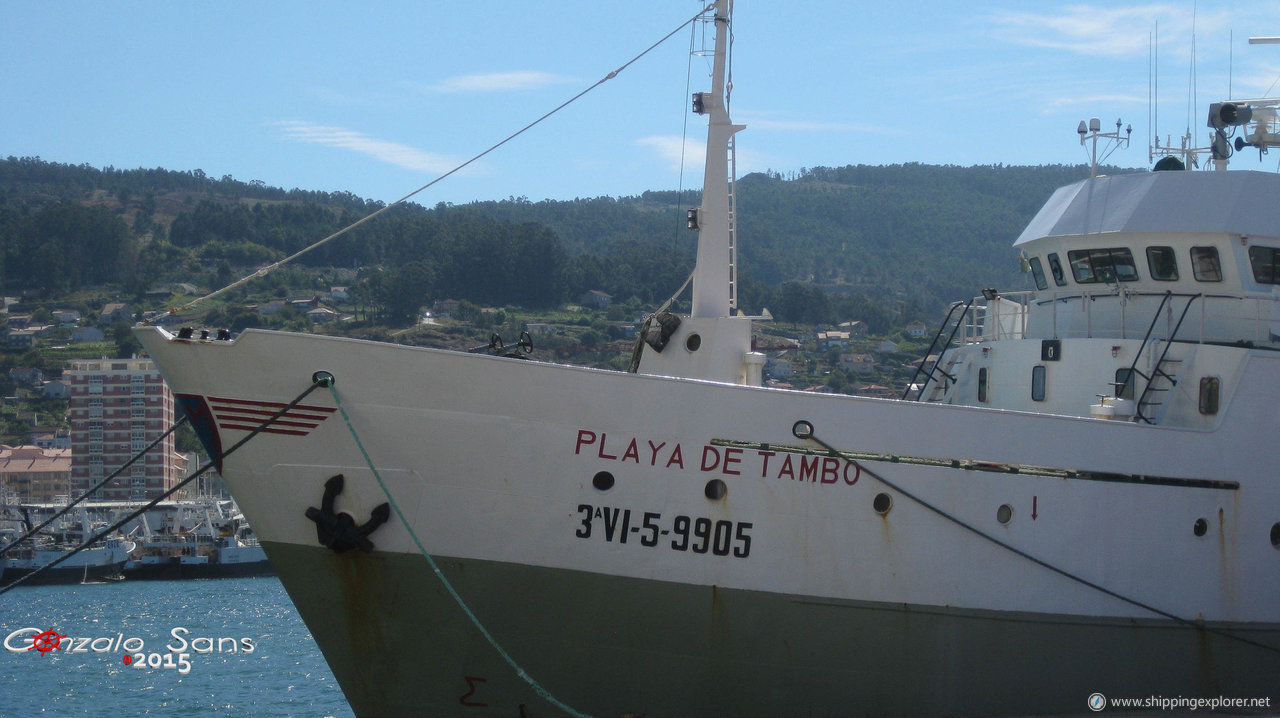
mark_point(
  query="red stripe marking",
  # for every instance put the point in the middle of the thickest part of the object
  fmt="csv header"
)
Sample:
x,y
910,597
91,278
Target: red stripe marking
x,y
248,415
267,430
263,416
271,404
225,420
260,415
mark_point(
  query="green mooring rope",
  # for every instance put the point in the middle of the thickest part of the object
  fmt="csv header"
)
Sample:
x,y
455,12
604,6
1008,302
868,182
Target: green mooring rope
x,y
475,621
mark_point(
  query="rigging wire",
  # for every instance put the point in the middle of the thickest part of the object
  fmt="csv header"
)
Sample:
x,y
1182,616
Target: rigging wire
x,y
1197,624
728,67
684,137
694,51
1273,86
271,267
213,461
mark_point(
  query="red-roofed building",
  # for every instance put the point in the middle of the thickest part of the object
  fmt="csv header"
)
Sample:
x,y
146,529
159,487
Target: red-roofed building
x,y
33,474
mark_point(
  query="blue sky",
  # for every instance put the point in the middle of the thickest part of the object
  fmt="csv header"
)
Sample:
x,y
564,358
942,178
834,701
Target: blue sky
x,y
380,98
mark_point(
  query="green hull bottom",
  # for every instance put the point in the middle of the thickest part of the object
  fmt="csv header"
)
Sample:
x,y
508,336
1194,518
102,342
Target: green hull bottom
x,y
399,645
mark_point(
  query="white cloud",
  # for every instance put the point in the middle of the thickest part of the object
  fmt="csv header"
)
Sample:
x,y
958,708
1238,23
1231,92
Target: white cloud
x,y
670,149
499,81
393,153
1071,103
760,123
1106,31
1257,82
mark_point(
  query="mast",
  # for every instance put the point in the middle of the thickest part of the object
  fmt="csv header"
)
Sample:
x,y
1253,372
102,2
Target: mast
x,y
711,343
714,278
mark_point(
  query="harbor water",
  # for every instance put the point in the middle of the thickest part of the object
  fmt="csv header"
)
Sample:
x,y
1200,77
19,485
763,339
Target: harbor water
x,y
247,651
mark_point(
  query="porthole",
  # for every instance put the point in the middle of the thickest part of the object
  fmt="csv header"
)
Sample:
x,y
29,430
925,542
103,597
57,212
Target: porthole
x,y
603,481
802,429
693,342
715,490
1275,535
1004,514
1200,527
882,503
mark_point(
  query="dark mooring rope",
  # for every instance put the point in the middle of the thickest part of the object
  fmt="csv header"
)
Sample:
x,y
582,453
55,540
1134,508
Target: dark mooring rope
x,y
800,432
92,489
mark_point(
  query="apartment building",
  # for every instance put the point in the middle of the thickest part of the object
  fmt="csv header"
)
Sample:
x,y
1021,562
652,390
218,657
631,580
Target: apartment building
x,y
118,407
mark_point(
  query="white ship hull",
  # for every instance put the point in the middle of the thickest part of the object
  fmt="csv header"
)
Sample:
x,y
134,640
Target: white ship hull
x,y
791,594
679,541
96,563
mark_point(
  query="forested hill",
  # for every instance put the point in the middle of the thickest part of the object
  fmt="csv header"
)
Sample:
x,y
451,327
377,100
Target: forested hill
x,y
905,238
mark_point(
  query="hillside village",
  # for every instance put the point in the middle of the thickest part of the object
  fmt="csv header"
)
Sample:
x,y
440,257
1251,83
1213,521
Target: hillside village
x,y
583,333
39,339
42,343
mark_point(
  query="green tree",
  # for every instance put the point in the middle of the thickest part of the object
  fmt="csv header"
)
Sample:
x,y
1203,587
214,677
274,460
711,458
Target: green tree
x,y
66,246
404,290
837,381
126,344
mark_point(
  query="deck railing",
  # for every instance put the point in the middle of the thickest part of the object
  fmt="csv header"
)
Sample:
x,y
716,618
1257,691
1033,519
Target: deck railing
x,y
1217,318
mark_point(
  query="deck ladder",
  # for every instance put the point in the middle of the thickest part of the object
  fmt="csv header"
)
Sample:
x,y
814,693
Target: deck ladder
x,y
1164,373
937,373
733,227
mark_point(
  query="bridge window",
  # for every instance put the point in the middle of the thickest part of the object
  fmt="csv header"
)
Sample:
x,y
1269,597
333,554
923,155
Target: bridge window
x,y
1037,382
1055,267
982,385
1266,264
1090,266
1037,272
1205,265
1162,263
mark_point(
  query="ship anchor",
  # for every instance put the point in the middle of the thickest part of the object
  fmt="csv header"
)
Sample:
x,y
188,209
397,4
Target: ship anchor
x,y
339,531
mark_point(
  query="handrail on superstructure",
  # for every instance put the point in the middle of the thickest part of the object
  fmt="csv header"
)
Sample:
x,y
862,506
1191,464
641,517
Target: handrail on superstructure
x,y
934,343
1217,325
1168,342
1227,323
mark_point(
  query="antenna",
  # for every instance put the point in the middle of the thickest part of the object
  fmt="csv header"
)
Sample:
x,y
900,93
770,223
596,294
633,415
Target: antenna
x,y
1193,95
1152,97
1153,90
1092,132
